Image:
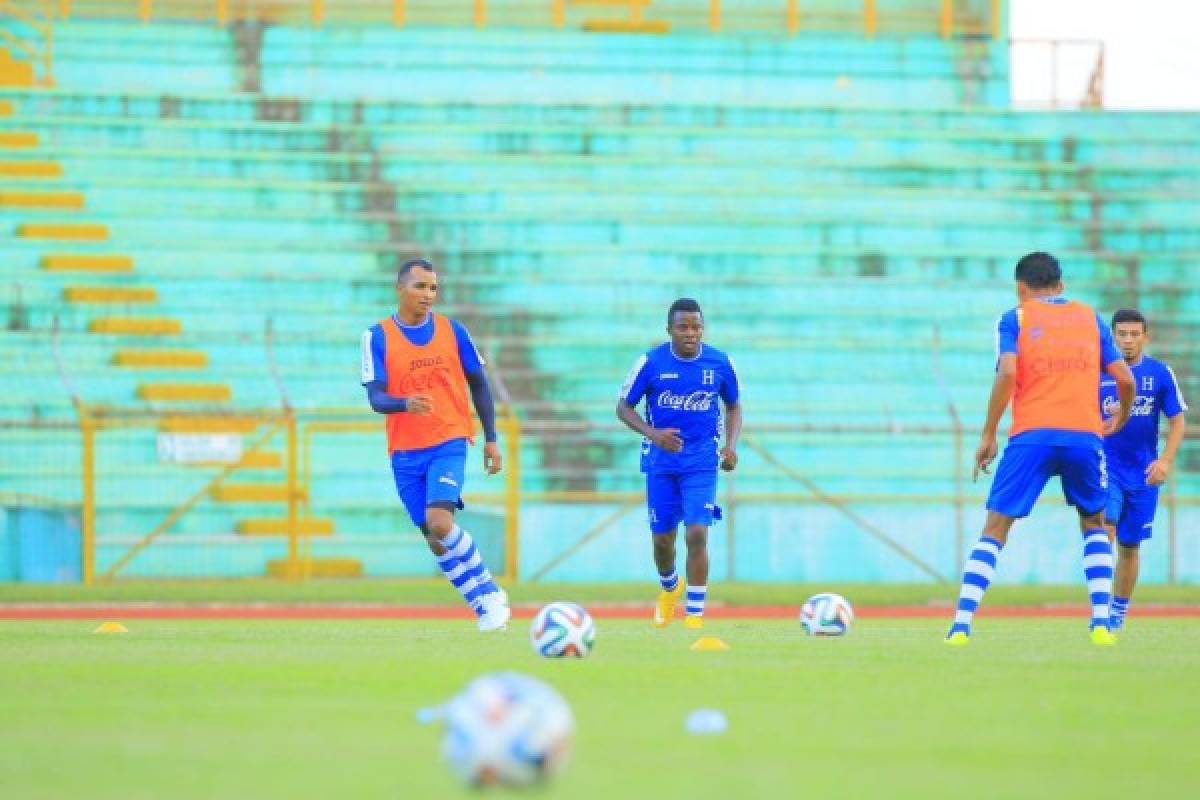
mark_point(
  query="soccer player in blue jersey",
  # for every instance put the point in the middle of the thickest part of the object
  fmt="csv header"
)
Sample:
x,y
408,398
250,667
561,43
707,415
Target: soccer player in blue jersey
x,y
1050,354
1135,468
418,368
682,381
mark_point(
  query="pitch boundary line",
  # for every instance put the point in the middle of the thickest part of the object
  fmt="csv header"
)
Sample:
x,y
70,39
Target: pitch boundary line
x,y
14,612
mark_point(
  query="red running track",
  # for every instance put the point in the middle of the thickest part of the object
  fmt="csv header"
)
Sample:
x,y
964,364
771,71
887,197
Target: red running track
x,y
351,612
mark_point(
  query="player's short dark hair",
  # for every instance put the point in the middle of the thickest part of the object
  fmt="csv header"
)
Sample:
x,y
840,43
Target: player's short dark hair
x,y
410,265
683,304
1038,270
1130,315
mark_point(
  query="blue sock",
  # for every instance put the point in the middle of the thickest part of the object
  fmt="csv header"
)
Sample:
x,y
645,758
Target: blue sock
x,y
1098,569
1116,612
977,576
695,600
669,581
464,568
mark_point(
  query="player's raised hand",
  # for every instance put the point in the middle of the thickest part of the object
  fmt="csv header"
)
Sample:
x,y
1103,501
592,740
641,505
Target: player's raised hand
x,y
985,454
1157,471
668,439
492,462
728,459
420,404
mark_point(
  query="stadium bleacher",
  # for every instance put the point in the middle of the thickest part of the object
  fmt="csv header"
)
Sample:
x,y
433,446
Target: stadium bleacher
x,y
846,209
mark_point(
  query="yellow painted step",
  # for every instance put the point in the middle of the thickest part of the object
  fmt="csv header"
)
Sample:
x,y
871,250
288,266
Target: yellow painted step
x,y
75,231
255,493
185,392
160,359
110,294
18,140
209,424
136,326
30,169
16,73
319,568
6,108
84,262
261,459
308,526
72,201
654,26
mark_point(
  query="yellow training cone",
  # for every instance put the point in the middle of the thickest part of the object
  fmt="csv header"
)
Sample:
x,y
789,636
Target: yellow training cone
x,y
708,643
111,627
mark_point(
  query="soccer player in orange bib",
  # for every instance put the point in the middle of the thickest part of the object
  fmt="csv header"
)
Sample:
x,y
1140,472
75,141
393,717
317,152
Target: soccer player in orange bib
x,y
1050,352
417,368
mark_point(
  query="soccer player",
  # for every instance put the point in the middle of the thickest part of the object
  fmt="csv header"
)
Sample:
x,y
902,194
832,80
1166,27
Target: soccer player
x,y
1135,468
417,367
1050,352
681,381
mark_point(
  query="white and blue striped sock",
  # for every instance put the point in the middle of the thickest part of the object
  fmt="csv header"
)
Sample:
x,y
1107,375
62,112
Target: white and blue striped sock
x,y
695,600
1116,612
464,568
977,576
669,581
1098,569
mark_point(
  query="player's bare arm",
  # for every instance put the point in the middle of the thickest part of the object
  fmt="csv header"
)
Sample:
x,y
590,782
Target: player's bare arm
x,y
1126,391
1160,468
1002,390
733,430
666,438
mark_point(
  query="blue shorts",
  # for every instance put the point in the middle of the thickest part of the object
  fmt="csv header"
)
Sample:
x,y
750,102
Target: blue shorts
x,y
1132,512
1025,468
432,475
687,497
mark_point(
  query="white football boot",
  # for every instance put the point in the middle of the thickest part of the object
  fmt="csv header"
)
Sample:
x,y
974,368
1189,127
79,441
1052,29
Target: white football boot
x,y
496,612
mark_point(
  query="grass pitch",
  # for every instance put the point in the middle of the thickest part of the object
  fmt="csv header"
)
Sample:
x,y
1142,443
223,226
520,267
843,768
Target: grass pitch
x,y
327,709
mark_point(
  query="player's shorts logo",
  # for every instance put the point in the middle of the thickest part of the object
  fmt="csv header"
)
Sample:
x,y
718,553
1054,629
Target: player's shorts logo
x,y
446,479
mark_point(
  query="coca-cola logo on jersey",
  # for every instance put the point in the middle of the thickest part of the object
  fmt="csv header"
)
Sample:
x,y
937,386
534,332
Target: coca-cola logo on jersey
x,y
696,401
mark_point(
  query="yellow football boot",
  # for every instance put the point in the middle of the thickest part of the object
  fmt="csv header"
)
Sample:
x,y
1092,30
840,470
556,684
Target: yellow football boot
x,y
693,622
1103,637
664,610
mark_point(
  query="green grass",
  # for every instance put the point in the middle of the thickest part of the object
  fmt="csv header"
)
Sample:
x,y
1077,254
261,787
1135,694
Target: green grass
x,y
438,592
326,709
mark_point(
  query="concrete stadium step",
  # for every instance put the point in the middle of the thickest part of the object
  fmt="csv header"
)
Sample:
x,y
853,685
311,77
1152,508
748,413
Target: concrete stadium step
x,y
86,262
278,526
110,294
64,231
136,326
319,568
160,359
185,392
255,493
66,200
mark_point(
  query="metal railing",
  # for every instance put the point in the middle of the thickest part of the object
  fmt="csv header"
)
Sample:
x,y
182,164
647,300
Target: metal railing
x,y
947,18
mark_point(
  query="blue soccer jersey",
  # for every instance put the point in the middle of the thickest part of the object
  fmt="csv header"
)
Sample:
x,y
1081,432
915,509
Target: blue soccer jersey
x,y
683,393
1130,450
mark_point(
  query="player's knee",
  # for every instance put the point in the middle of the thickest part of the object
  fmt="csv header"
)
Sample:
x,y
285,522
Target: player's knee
x,y
697,537
664,544
440,524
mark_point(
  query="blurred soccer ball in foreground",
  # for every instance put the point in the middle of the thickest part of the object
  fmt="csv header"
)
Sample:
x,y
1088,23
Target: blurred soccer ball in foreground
x,y
562,629
826,614
507,729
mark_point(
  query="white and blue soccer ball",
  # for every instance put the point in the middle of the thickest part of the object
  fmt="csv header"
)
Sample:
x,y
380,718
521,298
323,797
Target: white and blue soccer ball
x,y
507,729
827,614
562,629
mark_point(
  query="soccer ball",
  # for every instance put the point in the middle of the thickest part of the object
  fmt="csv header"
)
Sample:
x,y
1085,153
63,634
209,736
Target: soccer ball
x,y
506,728
826,614
562,629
